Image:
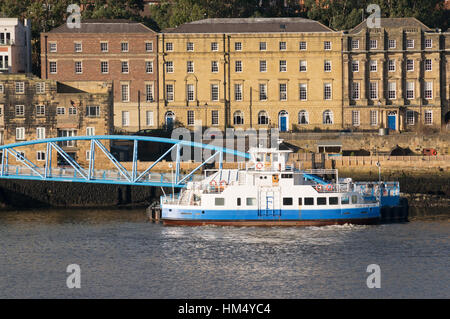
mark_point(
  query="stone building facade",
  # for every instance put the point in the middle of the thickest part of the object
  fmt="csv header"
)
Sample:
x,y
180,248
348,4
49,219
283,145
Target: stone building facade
x,y
32,108
395,76
258,73
120,51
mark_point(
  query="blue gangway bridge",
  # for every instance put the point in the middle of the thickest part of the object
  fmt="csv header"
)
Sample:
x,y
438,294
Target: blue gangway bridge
x,y
27,169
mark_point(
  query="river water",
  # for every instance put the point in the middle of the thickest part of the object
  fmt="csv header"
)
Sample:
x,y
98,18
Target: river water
x,y
122,255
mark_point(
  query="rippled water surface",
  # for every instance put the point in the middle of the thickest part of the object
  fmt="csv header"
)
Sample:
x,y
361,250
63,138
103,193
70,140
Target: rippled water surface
x,y
121,255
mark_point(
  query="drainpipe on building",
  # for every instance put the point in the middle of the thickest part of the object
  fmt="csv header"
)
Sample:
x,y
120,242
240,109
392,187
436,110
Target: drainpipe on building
x,y
27,24
46,58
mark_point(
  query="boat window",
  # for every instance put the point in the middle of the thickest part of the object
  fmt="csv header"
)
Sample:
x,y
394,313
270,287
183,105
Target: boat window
x,y
286,175
345,200
333,200
354,199
219,201
239,201
309,200
321,200
287,201
251,201
299,201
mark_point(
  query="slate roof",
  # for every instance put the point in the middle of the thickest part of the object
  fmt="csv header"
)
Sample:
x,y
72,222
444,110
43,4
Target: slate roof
x,y
393,23
105,26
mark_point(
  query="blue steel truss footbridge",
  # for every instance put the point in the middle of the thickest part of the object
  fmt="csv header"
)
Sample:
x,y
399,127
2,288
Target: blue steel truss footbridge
x,y
27,169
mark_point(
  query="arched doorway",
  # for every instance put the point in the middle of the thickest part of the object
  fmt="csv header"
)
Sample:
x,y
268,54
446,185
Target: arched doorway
x,y
170,119
283,121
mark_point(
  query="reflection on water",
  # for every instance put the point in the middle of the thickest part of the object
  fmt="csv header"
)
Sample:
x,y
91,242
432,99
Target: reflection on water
x,y
122,255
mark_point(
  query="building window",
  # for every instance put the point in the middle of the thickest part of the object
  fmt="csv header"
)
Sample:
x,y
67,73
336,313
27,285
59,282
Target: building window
x,y
104,46
283,92
149,118
327,117
263,92
282,46
303,92
355,118
215,117
149,66
428,90
90,131
214,46
214,66
20,133
20,110
125,67
238,46
327,45
40,87
125,92
327,66
190,46
392,44
190,118
78,67
263,66
190,67
40,133
302,45
149,93
169,46
303,117
214,92
409,65
428,65
72,110
428,117
355,66
78,47
410,90
60,110
40,156
238,66
303,66
104,67
327,91
263,118
169,66
355,90
428,43
410,118
125,118
410,44
190,92
283,66
53,47
373,90
124,46
392,90
238,92
93,111
373,65
355,44
373,44
373,117
262,46
20,87
391,65
149,46
169,92
238,118
40,110
2,88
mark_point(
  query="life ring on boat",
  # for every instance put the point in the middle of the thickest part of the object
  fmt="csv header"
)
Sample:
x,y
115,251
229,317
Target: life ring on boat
x,y
319,187
213,183
434,153
329,188
259,165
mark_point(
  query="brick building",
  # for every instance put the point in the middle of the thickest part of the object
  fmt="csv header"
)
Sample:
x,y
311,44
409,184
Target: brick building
x,y
15,45
32,108
120,51
395,76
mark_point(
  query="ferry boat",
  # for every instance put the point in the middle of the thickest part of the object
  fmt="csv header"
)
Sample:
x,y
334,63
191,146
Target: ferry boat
x,y
267,191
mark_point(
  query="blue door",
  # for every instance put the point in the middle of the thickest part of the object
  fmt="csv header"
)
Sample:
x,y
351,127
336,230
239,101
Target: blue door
x,y
392,122
283,123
